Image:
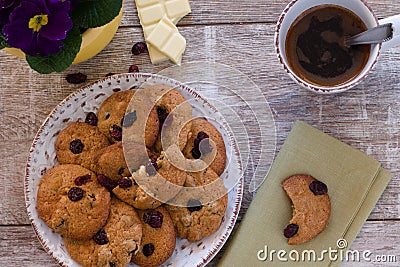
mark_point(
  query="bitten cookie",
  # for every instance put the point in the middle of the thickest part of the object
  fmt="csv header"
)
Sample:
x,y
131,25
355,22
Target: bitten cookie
x,y
199,146
113,245
311,208
198,214
72,202
78,143
159,238
124,111
174,114
151,185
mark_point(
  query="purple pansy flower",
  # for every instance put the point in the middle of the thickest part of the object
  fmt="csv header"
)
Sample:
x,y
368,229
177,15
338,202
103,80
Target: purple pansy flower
x,y
38,27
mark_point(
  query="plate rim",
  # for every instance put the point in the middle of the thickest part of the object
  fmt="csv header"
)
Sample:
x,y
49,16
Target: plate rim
x,y
239,185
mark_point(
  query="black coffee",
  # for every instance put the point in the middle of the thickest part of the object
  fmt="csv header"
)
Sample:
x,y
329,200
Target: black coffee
x,y
315,46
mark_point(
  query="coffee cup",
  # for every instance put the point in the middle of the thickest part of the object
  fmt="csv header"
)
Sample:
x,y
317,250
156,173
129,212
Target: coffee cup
x,y
297,9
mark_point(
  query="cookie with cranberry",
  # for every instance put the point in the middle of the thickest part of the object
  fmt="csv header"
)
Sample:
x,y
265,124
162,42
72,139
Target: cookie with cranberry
x,y
174,114
153,184
111,162
127,111
206,142
197,211
158,240
311,208
68,196
78,143
114,244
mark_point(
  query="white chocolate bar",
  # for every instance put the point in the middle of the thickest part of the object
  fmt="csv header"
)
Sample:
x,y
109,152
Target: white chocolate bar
x,y
166,38
152,11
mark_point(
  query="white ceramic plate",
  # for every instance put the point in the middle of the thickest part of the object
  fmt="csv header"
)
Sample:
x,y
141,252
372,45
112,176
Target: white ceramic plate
x,y
42,157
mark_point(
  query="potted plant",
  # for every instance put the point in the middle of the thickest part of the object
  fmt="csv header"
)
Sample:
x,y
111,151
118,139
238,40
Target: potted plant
x,y
53,34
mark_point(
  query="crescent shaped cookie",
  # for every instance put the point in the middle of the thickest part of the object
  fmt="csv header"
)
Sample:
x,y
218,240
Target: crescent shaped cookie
x,y
311,208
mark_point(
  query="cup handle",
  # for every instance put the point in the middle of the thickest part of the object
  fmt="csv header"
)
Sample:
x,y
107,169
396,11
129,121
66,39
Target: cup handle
x,y
395,41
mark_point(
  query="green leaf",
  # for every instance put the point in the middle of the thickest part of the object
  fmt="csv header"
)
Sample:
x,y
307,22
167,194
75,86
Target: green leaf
x,y
92,14
3,40
61,61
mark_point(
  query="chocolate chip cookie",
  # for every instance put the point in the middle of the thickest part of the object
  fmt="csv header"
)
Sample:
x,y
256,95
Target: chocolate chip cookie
x,y
205,138
198,213
153,184
158,240
131,113
174,113
311,208
71,201
78,143
114,244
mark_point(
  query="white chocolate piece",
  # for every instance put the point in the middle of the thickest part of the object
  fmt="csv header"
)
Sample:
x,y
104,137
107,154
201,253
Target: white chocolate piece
x,y
166,38
155,55
152,11
177,8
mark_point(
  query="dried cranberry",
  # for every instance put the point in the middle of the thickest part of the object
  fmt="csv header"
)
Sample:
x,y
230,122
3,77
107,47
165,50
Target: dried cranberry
x,y
201,147
195,153
76,146
125,182
138,48
128,119
151,168
76,194
91,119
153,218
202,135
100,237
197,142
205,146
81,180
290,230
148,249
106,182
116,132
76,78
133,68
194,205
318,188
162,115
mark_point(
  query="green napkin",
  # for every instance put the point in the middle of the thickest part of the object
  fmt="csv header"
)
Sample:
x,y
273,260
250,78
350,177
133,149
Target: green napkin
x,y
355,183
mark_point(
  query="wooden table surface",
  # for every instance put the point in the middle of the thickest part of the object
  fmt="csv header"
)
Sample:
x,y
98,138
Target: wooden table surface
x,y
235,33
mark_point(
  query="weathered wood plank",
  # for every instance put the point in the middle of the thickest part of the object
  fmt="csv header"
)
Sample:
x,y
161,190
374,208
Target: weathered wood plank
x,y
366,117
19,246
239,11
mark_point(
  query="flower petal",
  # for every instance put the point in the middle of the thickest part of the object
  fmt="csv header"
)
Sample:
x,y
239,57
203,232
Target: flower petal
x,y
25,11
57,5
41,4
57,27
20,36
48,47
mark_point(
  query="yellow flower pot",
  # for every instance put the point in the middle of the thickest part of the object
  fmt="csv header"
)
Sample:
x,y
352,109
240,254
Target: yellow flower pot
x,y
93,41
